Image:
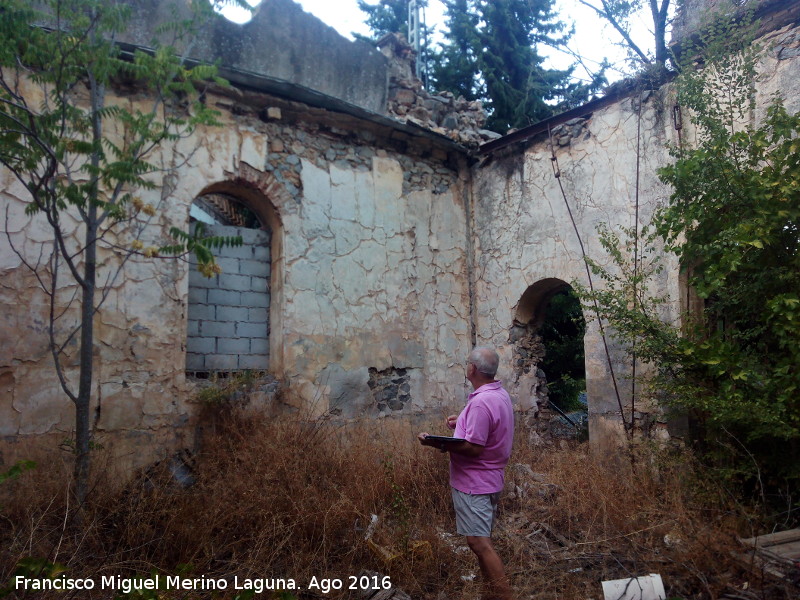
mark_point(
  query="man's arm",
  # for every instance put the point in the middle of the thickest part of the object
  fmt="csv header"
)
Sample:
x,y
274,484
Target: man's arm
x,y
464,448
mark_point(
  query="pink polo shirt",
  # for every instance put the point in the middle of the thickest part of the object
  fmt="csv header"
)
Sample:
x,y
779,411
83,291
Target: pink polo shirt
x,y
487,420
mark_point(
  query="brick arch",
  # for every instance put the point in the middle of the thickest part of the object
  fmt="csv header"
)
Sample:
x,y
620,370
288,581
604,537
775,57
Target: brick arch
x,y
259,190
261,193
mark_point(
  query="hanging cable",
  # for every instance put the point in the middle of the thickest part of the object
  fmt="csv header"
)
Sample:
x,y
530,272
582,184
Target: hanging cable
x,y
557,174
636,255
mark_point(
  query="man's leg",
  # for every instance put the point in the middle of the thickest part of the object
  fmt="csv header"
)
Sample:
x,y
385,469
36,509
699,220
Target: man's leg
x,y
494,577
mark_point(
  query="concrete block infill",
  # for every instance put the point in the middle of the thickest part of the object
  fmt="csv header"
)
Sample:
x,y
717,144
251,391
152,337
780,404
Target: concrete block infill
x,y
222,362
215,329
195,362
196,280
255,299
233,346
232,313
198,295
258,268
257,315
260,363
259,284
261,253
234,282
251,330
259,346
225,297
201,312
201,345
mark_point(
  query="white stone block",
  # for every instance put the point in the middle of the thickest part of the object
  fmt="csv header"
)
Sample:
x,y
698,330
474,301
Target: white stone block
x,y
343,194
252,148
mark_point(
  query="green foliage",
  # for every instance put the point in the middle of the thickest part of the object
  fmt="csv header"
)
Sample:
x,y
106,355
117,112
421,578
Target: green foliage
x,y
626,299
387,16
562,335
732,221
59,148
455,66
491,53
200,245
227,391
32,568
565,392
83,156
17,469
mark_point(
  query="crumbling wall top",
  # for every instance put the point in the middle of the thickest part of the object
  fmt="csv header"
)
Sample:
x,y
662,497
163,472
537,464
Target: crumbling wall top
x,y
692,15
281,42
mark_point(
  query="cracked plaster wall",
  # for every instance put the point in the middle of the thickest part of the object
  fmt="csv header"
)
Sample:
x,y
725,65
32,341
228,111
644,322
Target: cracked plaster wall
x,y
524,233
369,263
378,281
368,272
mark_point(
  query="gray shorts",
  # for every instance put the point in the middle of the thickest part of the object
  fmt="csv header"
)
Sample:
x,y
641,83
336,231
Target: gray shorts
x,y
475,513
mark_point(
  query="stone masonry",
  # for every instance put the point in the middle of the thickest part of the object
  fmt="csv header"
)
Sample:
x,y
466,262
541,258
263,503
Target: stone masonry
x,y
392,246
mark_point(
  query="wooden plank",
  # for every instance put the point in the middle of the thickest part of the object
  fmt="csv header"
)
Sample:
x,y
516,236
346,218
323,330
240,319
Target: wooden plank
x,y
776,554
789,552
758,565
765,541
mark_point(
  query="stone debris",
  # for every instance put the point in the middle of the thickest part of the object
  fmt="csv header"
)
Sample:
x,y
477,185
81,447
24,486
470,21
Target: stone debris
x,y
461,120
574,129
454,542
523,482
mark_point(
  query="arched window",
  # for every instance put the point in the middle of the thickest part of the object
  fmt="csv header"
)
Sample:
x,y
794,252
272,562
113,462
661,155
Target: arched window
x,y
228,314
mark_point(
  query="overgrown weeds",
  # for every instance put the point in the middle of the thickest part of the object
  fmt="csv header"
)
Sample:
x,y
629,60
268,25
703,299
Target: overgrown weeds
x,y
284,498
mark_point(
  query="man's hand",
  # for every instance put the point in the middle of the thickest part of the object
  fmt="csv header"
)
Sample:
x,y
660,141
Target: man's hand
x,y
451,421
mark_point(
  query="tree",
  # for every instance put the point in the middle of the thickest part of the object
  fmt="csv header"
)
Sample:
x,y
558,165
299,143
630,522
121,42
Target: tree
x,y
491,52
733,221
387,16
618,14
81,156
455,67
564,363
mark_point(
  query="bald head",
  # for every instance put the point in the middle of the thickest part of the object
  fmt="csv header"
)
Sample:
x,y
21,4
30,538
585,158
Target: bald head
x,y
485,360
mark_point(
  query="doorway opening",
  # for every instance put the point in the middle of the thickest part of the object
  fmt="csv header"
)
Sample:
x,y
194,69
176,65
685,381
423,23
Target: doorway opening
x,y
549,358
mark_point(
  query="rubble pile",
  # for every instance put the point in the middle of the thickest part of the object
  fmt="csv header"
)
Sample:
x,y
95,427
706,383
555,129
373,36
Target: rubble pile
x,y
461,120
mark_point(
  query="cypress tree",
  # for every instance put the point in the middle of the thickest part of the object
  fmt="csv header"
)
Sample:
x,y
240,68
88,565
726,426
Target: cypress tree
x,y
388,16
491,53
454,68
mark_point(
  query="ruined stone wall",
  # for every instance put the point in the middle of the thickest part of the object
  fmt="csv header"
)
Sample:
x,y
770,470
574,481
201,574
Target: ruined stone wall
x,y
368,308
369,296
692,15
281,44
525,236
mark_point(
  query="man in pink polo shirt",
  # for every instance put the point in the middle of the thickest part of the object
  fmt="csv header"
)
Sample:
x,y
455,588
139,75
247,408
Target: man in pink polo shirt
x,y
477,464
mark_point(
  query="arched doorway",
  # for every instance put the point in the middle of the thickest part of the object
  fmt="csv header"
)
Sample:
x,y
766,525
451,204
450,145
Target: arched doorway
x,y
549,360
228,315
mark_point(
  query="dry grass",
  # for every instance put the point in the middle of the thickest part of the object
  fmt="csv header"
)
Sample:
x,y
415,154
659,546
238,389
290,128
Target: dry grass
x,y
286,498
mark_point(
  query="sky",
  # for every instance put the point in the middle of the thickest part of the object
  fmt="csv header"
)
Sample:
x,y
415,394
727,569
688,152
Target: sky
x,y
593,39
